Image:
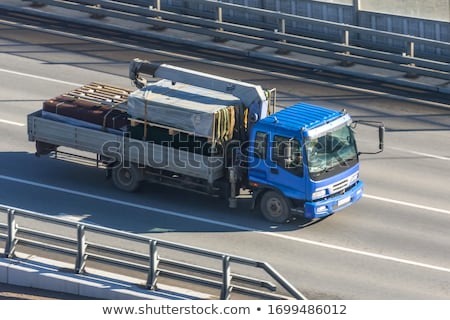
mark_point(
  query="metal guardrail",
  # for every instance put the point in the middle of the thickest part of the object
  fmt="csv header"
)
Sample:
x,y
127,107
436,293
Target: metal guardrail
x,y
86,250
347,50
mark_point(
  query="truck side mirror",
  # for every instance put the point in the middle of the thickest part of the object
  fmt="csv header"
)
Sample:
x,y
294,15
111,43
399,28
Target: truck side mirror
x,y
381,137
381,131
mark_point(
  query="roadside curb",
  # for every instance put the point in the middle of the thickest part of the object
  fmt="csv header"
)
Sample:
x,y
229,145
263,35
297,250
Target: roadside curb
x,y
55,276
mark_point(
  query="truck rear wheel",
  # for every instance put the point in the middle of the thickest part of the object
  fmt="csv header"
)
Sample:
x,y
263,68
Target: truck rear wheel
x,y
275,207
127,178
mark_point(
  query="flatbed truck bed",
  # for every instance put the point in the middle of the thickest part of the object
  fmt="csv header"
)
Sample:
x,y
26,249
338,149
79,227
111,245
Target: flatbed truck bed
x,y
122,149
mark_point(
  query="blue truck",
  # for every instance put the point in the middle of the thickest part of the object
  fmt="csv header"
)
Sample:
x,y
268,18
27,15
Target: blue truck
x,y
208,134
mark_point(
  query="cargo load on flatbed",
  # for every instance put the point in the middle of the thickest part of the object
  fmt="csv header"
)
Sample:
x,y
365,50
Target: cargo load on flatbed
x,y
189,109
95,105
173,128
162,112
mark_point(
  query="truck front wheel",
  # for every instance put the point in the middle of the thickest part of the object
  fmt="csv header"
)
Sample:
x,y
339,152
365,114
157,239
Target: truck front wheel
x,y
127,178
275,207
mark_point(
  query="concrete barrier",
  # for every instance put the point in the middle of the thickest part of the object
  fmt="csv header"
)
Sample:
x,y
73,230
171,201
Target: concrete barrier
x,y
55,276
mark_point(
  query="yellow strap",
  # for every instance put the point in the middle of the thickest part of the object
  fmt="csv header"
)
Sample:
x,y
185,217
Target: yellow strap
x,y
218,127
225,124
232,122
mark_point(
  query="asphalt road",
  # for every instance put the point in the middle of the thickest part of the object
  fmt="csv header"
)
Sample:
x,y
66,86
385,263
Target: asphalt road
x,y
393,244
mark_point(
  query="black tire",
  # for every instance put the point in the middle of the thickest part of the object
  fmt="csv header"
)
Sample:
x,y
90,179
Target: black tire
x,y
127,178
274,207
44,148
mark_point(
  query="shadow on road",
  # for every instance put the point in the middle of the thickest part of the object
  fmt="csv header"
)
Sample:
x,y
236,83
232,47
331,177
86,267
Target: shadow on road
x,y
83,193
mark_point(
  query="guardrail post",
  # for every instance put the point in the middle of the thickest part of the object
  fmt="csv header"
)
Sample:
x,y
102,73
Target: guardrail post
x,y
219,19
11,240
80,262
226,279
153,271
356,9
410,53
156,7
346,42
346,36
282,29
411,49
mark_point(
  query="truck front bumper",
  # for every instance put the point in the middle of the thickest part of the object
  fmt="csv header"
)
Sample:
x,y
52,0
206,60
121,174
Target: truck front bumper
x,y
323,208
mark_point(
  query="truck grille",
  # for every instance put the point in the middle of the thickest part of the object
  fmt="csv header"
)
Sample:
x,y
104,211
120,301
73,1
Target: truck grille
x,y
340,186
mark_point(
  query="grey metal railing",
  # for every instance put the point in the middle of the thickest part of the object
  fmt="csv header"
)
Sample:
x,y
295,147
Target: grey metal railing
x,y
211,22
86,247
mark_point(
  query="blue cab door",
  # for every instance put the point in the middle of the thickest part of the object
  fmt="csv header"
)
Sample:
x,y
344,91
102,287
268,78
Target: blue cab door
x,y
277,161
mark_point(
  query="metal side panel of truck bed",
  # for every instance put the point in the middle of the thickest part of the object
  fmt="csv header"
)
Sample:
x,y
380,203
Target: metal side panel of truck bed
x,y
123,148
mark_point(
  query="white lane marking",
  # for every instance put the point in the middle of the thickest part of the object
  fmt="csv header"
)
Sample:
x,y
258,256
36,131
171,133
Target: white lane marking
x,y
234,226
40,77
77,218
360,252
428,155
407,204
12,123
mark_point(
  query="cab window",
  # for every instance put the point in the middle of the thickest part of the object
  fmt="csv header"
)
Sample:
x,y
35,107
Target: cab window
x,y
260,148
287,153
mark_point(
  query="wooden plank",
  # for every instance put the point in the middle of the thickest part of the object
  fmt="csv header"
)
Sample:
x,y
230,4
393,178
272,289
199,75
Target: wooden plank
x,y
101,93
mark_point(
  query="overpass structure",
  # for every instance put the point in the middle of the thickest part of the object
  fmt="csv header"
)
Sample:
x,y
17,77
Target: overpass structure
x,y
369,45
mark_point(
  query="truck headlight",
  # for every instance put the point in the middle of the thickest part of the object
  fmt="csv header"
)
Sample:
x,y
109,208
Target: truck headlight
x,y
319,194
353,179
321,209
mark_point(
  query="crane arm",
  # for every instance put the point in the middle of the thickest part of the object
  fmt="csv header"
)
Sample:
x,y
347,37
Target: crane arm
x,y
248,93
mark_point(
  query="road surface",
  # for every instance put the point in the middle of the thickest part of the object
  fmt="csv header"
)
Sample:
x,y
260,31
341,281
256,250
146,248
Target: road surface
x,y
393,244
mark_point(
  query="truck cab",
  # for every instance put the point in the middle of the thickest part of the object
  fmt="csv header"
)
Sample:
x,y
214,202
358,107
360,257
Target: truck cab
x,y
303,160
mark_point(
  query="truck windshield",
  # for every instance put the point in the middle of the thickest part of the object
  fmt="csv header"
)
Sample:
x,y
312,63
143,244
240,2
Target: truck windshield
x,y
331,153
